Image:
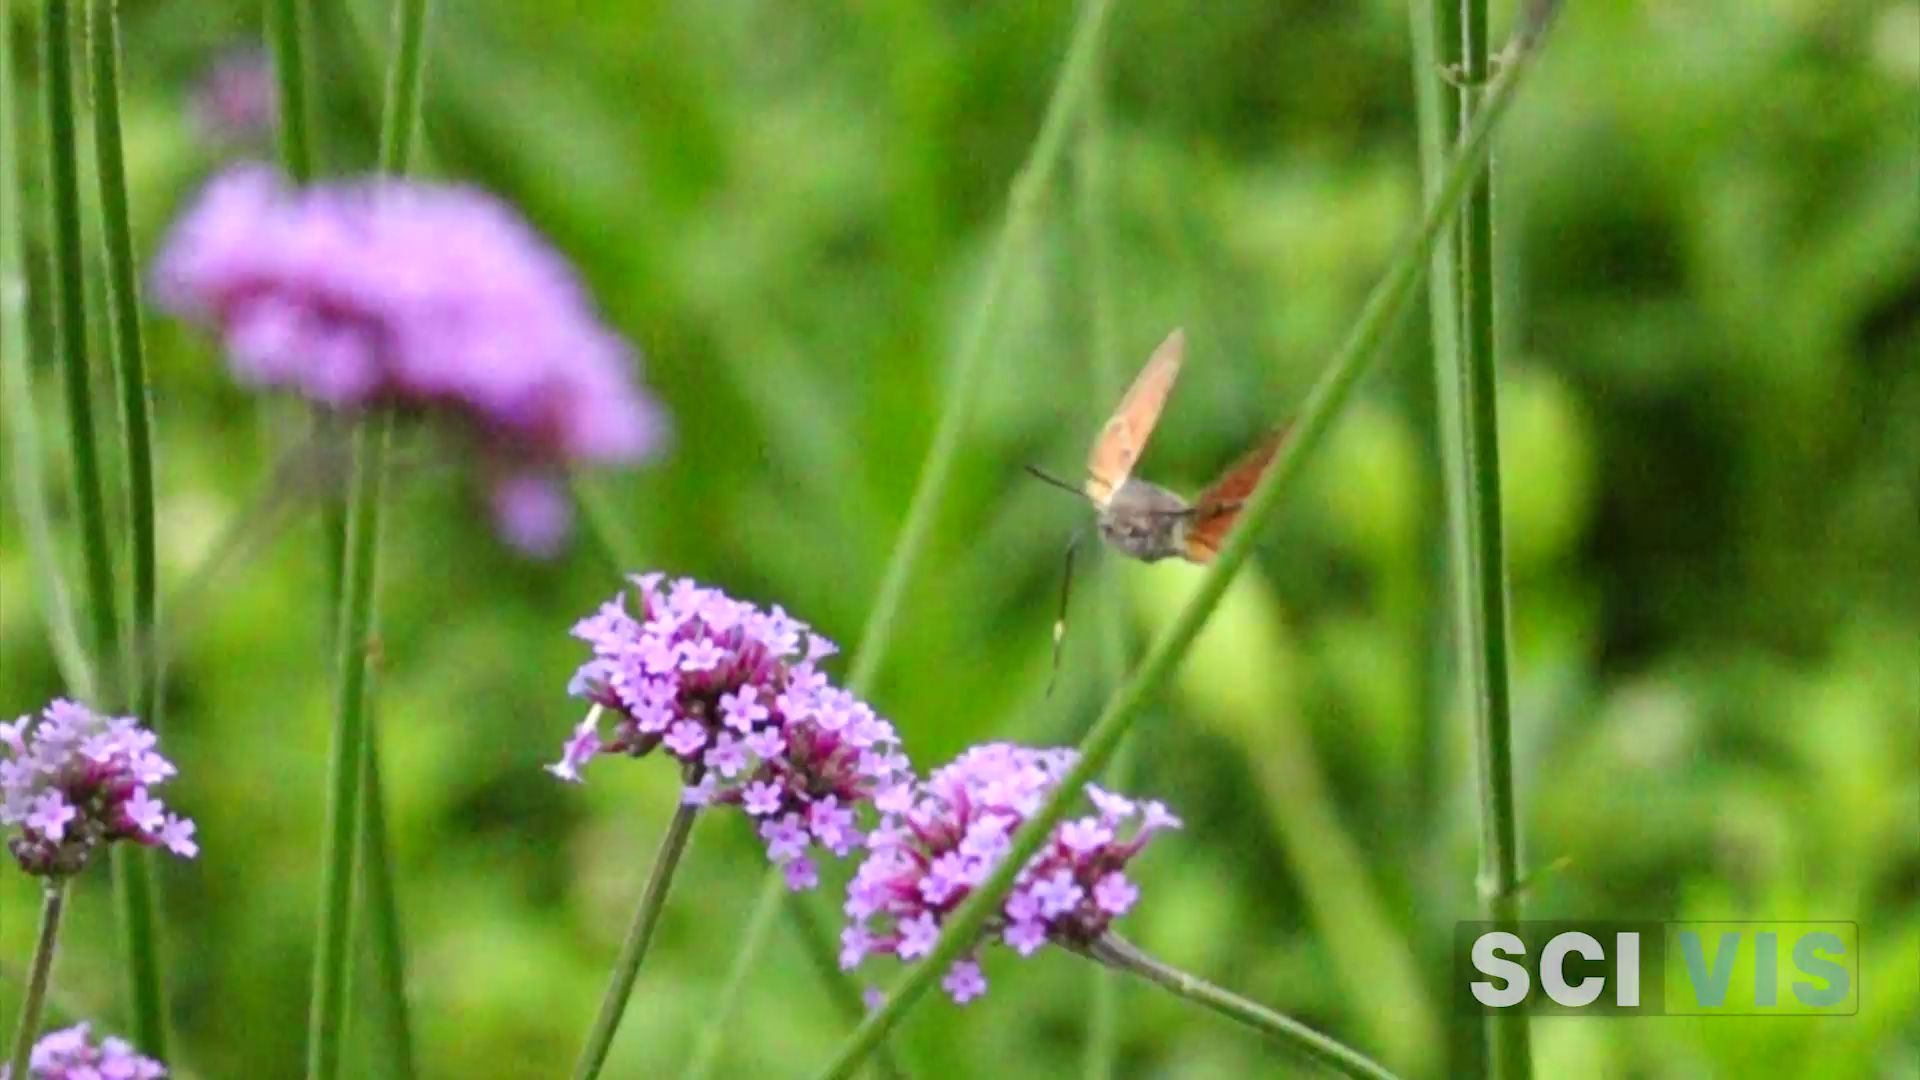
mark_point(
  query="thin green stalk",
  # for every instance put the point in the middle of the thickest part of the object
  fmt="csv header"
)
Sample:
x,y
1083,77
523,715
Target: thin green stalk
x,y
618,548
400,113
1023,211
353,640
1023,207
706,1049
132,866
1324,403
603,525
652,901
134,902
16,393
1475,521
52,904
817,941
379,901
70,330
1291,1034
1435,26
1108,382
1435,47
123,301
399,129
288,33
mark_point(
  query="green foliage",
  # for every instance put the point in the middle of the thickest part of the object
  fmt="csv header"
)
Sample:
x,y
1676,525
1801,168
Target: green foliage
x,y
1708,215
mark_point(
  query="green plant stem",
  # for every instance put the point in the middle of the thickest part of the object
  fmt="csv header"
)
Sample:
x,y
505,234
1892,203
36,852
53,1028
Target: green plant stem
x,y
1294,1036
1435,36
1435,32
653,900
70,329
603,525
52,905
132,866
123,301
706,1048
353,641
1108,382
400,112
1024,198
1023,210
817,941
16,393
379,903
1364,342
134,900
288,33
1475,520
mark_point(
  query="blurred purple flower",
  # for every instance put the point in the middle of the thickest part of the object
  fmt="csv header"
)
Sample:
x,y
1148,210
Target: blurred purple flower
x,y
421,298
73,780
939,844
68,1054
734,694
235,100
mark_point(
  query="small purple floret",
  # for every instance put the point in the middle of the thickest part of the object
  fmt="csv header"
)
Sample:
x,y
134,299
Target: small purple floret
x,y
72,781
942,839
70,1054
733,693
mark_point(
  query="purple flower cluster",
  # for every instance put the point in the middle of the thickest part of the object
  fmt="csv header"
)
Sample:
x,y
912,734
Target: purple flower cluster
x,y
951,833
73,780
736,696
69,1054
420,298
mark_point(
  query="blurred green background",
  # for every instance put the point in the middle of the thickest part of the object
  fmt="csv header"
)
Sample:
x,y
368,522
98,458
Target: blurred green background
x,y
1707,235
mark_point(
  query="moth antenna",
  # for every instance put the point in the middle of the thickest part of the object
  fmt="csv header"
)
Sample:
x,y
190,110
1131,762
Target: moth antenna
x,y
1046,477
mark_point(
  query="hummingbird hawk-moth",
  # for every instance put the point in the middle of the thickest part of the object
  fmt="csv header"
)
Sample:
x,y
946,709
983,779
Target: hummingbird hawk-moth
x,y
1143,520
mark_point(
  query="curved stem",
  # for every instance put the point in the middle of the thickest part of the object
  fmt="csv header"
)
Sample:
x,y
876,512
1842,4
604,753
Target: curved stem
x,y
1295,1036
603,525
706,1047
51,907
1108,381
818,943
132,866
876,637
381,904
1023,211
1325,401
626,969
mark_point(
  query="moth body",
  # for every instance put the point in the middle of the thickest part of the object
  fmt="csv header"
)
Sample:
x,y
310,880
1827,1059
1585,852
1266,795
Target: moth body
x,y
1145,521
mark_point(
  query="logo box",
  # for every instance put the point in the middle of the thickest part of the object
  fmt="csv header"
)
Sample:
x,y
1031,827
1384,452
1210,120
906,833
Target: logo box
x,y
1645,968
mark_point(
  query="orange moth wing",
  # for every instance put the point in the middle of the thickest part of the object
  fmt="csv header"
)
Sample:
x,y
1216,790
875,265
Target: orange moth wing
x,y
1125,435
1217,508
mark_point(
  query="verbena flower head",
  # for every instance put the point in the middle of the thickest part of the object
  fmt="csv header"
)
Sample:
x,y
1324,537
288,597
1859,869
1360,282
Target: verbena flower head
x,y
72,780
942,841
735,695
422,298
69,1054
